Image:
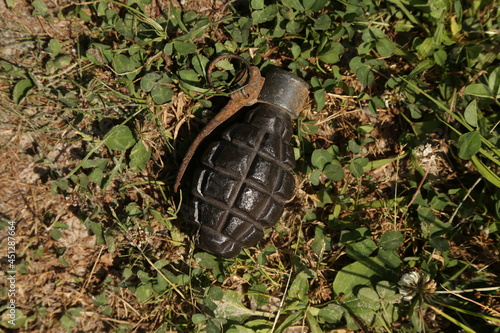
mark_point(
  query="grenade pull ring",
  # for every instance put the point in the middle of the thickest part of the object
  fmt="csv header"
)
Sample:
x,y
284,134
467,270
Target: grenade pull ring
x,y
245,96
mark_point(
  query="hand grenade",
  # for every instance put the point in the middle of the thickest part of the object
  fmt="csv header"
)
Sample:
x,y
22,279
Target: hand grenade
x,y
245,176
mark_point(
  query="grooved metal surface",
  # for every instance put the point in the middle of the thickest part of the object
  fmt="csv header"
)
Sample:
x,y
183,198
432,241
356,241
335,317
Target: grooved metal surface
x,y
244,181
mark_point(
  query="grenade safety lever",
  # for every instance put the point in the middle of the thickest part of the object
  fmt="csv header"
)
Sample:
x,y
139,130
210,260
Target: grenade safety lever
x,y
246,96
245,176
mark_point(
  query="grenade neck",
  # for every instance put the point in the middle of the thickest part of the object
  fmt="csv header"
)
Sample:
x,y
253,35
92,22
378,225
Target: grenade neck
x,y
284,90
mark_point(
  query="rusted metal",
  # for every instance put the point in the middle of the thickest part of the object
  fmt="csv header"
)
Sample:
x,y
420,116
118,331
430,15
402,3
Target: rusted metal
x,y
246,96
242,75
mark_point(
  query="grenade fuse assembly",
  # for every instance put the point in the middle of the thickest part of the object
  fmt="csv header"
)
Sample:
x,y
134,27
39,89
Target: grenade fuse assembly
x,y
246,174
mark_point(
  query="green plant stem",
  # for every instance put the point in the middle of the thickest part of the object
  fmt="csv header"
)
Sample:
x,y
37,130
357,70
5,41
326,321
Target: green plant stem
x,y
453,320
470,313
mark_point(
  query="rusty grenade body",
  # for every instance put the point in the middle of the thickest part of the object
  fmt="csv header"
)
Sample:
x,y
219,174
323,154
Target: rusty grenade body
x,y
245,176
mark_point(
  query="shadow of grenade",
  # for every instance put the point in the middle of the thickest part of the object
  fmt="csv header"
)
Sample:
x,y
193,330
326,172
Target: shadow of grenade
x,y
246,175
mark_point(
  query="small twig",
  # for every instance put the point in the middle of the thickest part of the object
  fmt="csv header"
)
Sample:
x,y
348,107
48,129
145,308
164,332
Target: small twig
x,y
416,193
286,288
446,291
463,200
484,307
87,282
282,301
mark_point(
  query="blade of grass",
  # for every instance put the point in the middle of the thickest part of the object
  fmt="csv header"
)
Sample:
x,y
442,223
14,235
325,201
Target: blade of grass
x,y
143,17
410,16
470,313
453,320
372,165
485,171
